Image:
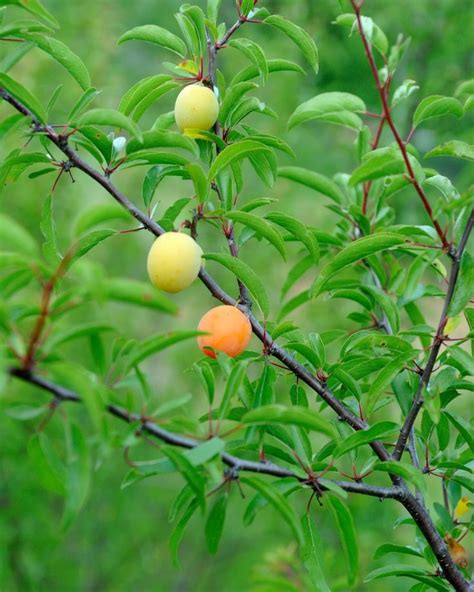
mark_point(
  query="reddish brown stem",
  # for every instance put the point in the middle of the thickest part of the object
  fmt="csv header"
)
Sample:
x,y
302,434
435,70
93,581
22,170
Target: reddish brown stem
x,y
396,135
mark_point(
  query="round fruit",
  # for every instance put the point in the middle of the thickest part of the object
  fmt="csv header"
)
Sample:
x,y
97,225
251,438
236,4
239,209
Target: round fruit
x,y
174,261
196,108
229,331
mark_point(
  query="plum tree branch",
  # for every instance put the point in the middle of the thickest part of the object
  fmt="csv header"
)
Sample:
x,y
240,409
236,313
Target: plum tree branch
x,y
271,347
389,119
62,394
436,344
417,511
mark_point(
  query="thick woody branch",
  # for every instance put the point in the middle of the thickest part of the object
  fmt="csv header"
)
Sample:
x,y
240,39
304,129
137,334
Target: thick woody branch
x,y
62,394
435,346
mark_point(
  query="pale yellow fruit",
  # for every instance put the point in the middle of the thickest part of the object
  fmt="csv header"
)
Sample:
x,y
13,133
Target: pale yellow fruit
x,y
196,108
174,261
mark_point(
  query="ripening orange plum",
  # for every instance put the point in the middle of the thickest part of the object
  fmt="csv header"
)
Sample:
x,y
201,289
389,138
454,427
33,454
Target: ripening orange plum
x,y
229,331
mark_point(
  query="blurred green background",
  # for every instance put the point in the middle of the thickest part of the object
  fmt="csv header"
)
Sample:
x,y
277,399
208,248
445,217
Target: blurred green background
x,y
119,542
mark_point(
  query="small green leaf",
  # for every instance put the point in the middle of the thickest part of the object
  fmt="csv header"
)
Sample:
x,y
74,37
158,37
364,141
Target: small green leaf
x,y
34,7
261,226
377,38
273,66
254,53
85,244
359,249
188,471
384,378
112,118
162,139
178,531
233,98
78,475
311,554
391,548
232,386
85,99
233,153
215,523
279,502
347,534
205,452
157,35
247,276
138,293
334,107
313,180
454,148
404,470
377,431
299,36
298,230
62,54
48,230
436,106
23,95
201,185
300,416
380,163
158,343
464,286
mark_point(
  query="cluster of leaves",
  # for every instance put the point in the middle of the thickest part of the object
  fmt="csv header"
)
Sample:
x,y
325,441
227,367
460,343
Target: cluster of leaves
x,y
386,269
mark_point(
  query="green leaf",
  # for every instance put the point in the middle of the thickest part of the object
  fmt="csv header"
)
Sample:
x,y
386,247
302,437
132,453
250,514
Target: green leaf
x,y
232,386
454,148
178,531
300,416
139,91
77,332
391,548
158,343
85,99
23,95
62,54
215,523
189,472
85,244
111,118
247,276
436,106
261,226
78,475
408,571
464,286
233,153
273,66
279,502
205,452
379,163
201,186
377,37
232,99
298,230
333,107
34,7
47,227
138,293
313,180
161,139
157,35
311,553
384,378
347,534
404,470
463,428
359,249
14,237
299,36
98,214
378,431
46,463
254,53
